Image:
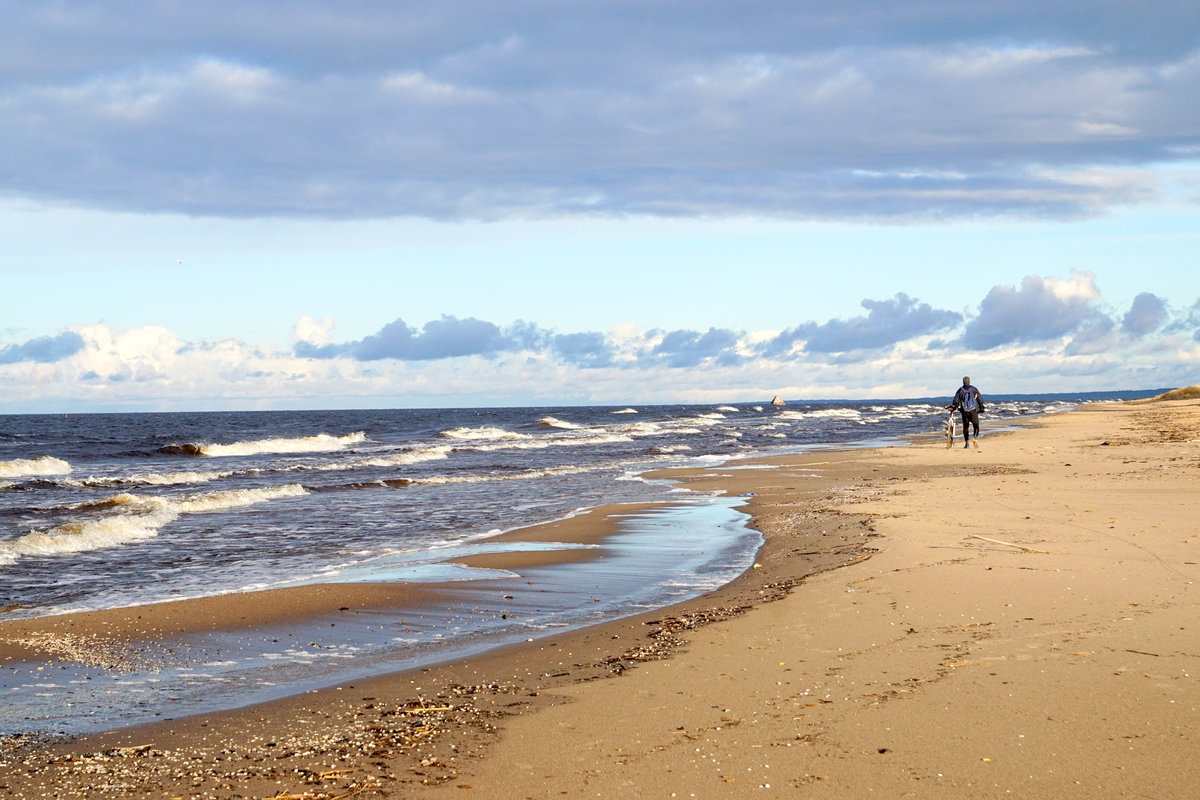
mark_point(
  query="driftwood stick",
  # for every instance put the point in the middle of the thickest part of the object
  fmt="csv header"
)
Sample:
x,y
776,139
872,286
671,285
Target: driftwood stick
x,y
1020,547
133,749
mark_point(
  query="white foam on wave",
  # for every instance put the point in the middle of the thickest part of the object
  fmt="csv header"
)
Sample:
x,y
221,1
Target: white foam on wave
x,y
626,411
549,472
157,478
141,518
555,422
236,498
906,411
33,467
414,456
643,429
403,458
485,432
544,442
85,536
320,443
825,413
728,409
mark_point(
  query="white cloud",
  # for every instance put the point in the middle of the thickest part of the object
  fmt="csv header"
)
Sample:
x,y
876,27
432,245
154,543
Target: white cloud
x,y
1029,338
239,83
422,87
313,331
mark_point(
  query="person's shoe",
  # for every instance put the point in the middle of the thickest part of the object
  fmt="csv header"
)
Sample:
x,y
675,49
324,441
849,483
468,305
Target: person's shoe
x,y
967,446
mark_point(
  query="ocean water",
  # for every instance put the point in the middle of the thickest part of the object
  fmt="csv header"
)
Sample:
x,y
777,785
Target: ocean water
x,y
106,510
110,510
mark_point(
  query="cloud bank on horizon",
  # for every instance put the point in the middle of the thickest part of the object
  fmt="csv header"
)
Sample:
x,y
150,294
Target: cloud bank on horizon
x,y
483,110
1047,334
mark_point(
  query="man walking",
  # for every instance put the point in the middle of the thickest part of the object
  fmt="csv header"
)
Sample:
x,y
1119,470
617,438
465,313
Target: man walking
x,y
969,402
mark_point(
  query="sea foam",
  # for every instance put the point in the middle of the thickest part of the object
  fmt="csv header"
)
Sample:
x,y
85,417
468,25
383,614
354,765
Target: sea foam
x,y
156,479
555,422
481,433
414,455
320,443
141,518
29,467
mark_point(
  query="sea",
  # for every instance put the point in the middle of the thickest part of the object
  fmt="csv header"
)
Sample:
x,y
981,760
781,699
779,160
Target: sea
x,y
101,511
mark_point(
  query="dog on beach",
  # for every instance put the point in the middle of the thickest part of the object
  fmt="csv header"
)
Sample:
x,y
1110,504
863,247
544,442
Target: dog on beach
x,y
950,430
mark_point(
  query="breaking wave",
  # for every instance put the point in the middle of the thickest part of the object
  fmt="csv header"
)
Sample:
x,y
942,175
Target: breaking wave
x,y
29,467
237,498
481,433
84,536
320,443
157,479
415,455
555,422
438,480
141,518
546,442
825,413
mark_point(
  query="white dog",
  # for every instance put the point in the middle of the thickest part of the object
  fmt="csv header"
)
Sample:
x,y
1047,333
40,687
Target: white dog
x,y
950,425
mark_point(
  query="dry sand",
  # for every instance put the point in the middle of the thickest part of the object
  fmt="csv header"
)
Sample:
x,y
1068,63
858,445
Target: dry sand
x,y
1053,658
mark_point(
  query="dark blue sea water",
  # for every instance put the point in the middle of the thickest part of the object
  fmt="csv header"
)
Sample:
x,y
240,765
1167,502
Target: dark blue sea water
x,y
107,510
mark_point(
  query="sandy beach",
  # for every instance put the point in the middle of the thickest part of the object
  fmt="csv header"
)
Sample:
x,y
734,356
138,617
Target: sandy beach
x,y
1010,621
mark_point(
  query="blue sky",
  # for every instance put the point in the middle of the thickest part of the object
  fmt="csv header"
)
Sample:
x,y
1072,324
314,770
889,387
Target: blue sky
x,y
391,204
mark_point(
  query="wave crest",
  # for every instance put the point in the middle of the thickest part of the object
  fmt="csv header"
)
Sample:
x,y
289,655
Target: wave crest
x,y
320,443
143,517
236,498
86,535
27,467
485,432
157,479
555,422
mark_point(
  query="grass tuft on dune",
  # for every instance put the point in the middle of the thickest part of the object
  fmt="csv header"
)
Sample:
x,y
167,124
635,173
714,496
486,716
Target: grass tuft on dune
x,y
1185,393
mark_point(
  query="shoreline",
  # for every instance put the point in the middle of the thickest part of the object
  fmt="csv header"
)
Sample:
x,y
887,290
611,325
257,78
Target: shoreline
x,y
433,732
605,641
211,654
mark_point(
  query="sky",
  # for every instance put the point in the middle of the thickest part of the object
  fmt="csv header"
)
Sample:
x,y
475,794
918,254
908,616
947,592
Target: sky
x,y
394,204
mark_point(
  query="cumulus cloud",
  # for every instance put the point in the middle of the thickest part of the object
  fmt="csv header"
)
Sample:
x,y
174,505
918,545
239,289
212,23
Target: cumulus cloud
x,y
684,348
448,337
472,109
1146,315
588,350
313,331
1042,309
1093,337
886,323
44,349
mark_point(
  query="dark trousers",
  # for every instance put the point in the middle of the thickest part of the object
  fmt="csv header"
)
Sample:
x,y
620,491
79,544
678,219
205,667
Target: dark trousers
x,y
969,418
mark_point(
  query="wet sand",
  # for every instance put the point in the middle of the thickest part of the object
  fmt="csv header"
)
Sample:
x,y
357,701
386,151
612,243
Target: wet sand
x,y
1052,657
